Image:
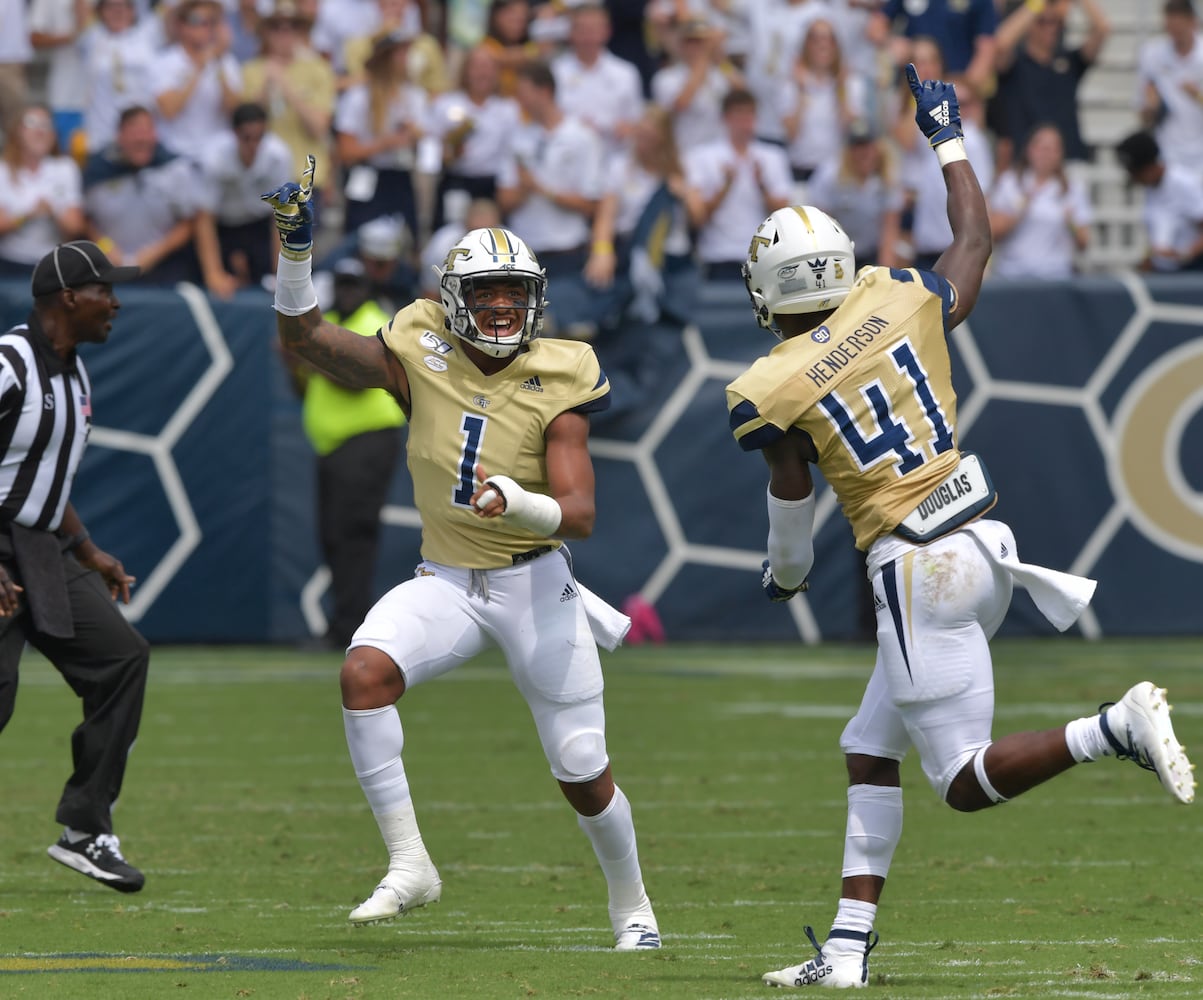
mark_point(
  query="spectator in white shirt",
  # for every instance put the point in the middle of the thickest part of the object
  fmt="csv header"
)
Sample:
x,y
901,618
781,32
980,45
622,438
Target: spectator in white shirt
x,y
236,239
470,128
1173,205
117,57
549,188
1170,77
1039,216
16,53
592,83
777,28
733,184
692,87
55,28
819,101
141,202
196,83
41,194
377,125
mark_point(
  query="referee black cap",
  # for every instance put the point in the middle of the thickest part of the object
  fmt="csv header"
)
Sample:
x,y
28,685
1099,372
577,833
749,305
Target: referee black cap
x,y
71,265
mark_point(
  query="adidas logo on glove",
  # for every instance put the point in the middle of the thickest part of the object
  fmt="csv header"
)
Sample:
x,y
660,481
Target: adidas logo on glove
x,y
940,114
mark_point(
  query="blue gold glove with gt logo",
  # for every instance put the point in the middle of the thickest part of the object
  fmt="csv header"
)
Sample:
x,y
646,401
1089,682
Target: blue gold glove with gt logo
x,y
773,591
936,109
294,214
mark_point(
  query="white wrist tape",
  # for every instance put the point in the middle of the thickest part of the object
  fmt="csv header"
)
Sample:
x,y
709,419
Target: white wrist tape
x,y
295,294
532,511
951,151
791,548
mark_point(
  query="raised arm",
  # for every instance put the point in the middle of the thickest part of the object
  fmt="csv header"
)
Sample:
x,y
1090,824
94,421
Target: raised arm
x,y
355,361
964,262
1097,31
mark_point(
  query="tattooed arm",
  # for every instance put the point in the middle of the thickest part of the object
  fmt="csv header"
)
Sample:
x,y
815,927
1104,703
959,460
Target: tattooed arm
x,y
354,361
351,360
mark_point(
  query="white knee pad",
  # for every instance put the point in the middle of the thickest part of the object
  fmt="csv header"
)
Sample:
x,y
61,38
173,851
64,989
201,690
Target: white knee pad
x,y
581,756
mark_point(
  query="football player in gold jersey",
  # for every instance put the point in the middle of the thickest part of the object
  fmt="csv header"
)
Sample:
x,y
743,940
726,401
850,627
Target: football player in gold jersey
x,y
498,452
861,386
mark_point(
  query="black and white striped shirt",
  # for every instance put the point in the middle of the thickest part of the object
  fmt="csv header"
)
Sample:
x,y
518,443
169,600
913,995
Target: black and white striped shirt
x,y
45,418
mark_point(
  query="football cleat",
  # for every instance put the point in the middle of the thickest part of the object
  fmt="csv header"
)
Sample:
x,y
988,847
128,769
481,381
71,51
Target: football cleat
x,y
397,894
832,969
640,933
98,857
1138,728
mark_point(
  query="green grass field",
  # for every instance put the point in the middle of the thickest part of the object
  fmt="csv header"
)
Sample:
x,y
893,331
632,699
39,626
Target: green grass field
x,y
242,809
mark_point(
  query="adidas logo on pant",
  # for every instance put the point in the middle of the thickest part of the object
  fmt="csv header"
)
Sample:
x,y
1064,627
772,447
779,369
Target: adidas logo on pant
x,y
569,593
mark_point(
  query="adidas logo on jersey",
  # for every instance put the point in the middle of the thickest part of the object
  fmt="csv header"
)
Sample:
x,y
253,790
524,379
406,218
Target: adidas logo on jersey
x,y
531,384
940,113
569,593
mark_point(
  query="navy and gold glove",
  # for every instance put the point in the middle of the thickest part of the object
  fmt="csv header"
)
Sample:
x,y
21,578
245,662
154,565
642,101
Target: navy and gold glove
x,y
774,591
294,214
936,109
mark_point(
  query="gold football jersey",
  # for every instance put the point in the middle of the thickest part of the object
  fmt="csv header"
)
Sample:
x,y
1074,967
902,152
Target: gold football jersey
x,y
460,416
873,388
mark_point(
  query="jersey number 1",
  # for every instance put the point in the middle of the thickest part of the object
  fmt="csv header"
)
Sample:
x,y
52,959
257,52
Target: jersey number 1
x,y
472,427
892,435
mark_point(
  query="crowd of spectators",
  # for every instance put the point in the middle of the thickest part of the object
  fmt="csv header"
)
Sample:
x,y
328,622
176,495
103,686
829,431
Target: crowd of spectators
x,y
635,144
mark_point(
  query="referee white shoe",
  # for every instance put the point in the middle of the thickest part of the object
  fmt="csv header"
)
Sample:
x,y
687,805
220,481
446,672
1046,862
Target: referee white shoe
x,y
1138,728
398,893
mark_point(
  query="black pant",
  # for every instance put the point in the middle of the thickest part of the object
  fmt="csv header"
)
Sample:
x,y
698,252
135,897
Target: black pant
x,y
352,485
473,187
252,242
106,664
394,195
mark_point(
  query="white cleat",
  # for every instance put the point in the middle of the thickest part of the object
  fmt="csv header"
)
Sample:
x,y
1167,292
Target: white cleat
x,y
1138,728
830,969
640,933
397,894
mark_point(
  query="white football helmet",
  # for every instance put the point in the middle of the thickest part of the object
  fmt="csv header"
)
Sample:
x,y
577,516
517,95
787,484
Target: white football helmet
x,y
486,255
800,261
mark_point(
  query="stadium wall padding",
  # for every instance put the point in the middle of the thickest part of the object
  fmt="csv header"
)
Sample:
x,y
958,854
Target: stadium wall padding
x,y
1084,398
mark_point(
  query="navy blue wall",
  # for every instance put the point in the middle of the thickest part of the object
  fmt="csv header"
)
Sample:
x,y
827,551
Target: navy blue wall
x,y
1085,399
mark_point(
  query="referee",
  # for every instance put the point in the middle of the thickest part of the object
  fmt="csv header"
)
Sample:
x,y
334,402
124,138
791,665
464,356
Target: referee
x,y
57,588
